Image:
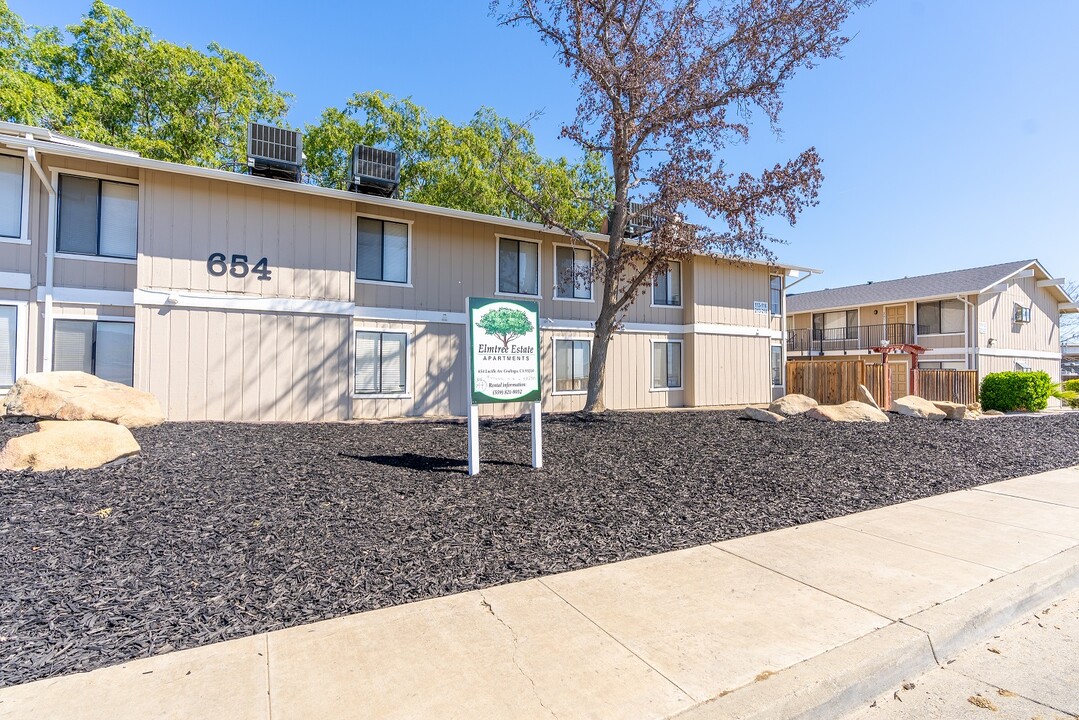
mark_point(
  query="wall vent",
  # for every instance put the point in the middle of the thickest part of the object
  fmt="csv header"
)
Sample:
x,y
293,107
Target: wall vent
x,y
374,171
274,152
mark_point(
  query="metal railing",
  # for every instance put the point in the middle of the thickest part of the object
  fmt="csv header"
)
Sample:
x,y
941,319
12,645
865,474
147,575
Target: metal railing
x,y
853,337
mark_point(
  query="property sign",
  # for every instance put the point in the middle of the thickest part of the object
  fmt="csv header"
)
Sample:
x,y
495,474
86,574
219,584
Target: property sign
x,y
504,350
760,307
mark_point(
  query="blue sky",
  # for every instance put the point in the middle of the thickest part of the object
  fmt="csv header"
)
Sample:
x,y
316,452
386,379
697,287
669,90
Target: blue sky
x,y
948,130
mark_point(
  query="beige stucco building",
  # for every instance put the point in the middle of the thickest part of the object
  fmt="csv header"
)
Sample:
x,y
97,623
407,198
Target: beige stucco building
x,y
989,319
234,297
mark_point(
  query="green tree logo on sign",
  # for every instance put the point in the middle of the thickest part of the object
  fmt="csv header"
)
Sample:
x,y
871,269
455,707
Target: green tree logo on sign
x,y
505,324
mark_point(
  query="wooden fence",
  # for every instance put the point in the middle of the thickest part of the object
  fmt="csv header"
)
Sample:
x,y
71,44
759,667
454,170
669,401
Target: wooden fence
x,y
835,381
959,386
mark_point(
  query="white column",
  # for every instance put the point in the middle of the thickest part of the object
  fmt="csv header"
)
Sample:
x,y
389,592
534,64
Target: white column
x,y
473,439
537,436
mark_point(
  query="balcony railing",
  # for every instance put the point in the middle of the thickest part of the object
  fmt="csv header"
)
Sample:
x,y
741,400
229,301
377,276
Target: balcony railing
x,y
854,337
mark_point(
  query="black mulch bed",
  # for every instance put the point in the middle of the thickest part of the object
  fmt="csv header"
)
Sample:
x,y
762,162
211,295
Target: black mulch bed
x,y
224,530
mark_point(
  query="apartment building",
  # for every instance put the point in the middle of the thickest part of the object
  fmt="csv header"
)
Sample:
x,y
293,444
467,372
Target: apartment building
x,y
237,297
989,319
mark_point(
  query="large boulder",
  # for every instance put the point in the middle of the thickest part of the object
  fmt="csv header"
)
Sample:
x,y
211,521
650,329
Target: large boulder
x,y
919,407
864,396
954,411
793,404
852,411
77,445
71,395
762,415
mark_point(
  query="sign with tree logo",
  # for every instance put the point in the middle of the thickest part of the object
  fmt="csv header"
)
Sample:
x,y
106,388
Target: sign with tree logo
x,y
504,350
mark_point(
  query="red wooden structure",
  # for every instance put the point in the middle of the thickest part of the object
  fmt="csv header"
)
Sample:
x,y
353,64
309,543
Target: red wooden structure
x,y
914,351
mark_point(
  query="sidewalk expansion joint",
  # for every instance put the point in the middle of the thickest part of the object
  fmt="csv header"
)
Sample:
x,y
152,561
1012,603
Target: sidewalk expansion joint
x,y
269,706
928,637
1005,524
1022,497
1005,571
1067,713
516,648
621,644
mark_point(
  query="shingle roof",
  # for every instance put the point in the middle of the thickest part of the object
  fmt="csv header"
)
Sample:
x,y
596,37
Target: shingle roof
x,y
955,282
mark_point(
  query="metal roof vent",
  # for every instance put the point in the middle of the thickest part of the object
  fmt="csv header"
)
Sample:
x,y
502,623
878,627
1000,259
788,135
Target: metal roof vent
x,y
374,171
274,152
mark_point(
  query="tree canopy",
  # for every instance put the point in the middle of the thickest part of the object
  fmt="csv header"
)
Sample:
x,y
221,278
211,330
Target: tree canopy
x,y
453,165
109,80
506,324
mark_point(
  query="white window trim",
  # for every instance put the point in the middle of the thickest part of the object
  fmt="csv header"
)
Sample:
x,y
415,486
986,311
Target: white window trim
x,y
21,351
24,226
782,293
407,394
554,364
58,314
91,314
652,362
681,286
919,335
539,267
54,216
355,252
782,364
554,274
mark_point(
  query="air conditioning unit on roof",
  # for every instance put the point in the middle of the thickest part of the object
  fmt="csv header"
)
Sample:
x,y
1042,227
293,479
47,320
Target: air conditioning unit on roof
x,y
274,152
374,171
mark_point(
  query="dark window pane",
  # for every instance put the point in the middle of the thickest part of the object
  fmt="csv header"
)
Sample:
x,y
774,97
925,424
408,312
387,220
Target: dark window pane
x,y
114,352
369,249
77,231
508,266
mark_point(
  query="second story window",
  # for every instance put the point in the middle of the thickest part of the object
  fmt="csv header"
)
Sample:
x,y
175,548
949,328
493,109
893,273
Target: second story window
x,y
11,199
841,325
775,286
573,268
518,267
667,288
381,251
940,317
97,217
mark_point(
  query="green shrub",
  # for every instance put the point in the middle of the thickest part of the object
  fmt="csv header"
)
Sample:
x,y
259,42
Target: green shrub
x,y
1007,391
1070,393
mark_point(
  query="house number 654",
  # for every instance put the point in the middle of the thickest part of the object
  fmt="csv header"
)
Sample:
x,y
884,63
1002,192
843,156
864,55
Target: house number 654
x,y
238,267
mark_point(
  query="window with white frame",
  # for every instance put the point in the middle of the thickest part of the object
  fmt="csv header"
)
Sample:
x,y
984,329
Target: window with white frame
x,y
777,365
97,217
940,317
381,363
573,268
99,347
667,365
571,358
381,250
518,267
11,197
8,324
667,288
775,287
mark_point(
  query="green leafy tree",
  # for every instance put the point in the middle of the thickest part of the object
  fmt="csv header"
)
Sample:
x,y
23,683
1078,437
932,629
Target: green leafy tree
x,y
506,324
108,80
453,165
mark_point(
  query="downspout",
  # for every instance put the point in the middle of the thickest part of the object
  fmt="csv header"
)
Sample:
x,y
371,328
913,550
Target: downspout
x,y
46,352
971,347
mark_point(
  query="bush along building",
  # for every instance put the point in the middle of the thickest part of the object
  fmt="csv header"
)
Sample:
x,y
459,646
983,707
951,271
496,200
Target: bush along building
x,y
255,297
991,319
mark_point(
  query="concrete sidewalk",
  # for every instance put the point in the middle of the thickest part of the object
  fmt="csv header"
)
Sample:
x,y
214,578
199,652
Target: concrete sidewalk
x,y
806,622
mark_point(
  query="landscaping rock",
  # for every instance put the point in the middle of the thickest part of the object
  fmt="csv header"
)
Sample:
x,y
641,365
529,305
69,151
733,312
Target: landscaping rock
x,y
918,407
793,404
761,415
864,396
954,411
852,411
71,395
975,406
992,413
75,445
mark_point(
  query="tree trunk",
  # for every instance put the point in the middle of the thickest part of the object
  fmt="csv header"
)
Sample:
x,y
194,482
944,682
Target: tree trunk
x,y
597,362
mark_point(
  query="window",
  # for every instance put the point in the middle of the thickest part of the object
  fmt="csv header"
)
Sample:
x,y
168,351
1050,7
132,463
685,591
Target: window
x,y
1021,314
98,347
666,365
8,322
940,317
777,365
11,198
380,363
97,217
667,289
518,267
776,288
571,359
841,325
573,273
381,251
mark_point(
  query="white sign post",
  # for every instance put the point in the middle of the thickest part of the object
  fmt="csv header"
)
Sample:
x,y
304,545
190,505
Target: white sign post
x,y
503,366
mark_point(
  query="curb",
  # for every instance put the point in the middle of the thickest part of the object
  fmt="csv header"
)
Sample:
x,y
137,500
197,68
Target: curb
x,y
845,678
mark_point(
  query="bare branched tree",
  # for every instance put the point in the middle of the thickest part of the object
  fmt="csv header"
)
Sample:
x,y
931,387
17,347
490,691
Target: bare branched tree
x,y
1069,322
665,86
